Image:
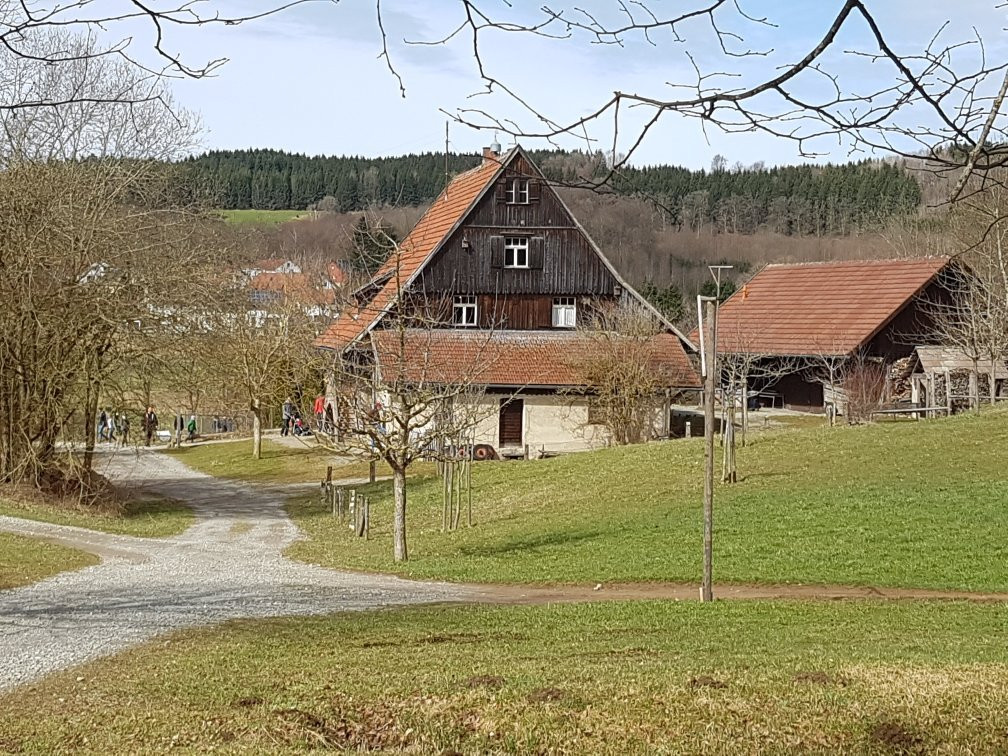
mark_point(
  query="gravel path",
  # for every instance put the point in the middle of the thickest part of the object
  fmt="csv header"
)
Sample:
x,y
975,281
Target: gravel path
x,y
227,565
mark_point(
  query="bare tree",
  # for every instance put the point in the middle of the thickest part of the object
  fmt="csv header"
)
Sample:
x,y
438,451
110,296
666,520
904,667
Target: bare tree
x,y
978,229
620,371
26,26
260,348
97,240
941,100
412,389
740,369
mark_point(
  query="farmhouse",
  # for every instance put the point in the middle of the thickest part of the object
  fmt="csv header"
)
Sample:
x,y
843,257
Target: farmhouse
x,y
490,287
813,319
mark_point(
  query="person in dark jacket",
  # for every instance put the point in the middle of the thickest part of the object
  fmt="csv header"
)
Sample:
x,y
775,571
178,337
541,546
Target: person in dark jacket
x,y
150,425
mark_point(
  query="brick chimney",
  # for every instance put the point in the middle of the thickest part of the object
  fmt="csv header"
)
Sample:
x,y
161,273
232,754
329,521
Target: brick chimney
x,y
491,154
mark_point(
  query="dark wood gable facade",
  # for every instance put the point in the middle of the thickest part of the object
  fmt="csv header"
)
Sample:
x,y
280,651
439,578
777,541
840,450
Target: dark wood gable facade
x,y
518,260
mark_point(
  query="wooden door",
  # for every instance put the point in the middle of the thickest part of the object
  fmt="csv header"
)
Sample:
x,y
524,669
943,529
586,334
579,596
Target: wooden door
x,y
512,413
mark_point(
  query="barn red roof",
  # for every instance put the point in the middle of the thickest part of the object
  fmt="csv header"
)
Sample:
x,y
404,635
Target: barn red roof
x,y
434,227
511,358
820,308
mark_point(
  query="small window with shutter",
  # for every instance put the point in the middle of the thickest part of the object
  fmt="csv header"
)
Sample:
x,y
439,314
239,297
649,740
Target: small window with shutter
x,y
516,252
516,191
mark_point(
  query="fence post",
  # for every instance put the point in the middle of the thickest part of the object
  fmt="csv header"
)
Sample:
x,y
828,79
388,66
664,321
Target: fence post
x,y
367,518
353,508
689,429
372,471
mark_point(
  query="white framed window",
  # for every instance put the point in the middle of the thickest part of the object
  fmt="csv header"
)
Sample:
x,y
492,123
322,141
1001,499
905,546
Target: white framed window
x,y
516,252
464,310
564,312
517,192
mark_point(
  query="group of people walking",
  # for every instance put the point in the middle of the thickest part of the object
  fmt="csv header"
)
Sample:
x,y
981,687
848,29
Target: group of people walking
x,y
113,428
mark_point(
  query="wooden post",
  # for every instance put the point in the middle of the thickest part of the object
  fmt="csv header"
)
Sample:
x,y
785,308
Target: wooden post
x,y
340,503
367,518
948,392
372,471
353,509
745,408
689,429
932,399
706,585
445,497
526,451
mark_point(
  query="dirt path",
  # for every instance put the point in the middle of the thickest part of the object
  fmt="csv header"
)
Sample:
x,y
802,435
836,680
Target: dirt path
x,y
524,594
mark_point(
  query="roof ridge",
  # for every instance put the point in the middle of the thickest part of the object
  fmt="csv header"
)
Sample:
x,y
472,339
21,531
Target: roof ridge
x,y
869,261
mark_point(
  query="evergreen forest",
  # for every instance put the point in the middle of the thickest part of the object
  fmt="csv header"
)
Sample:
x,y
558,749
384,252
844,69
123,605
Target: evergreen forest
x,y
797,200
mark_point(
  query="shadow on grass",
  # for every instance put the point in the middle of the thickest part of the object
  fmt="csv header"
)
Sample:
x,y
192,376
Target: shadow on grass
x,y
533,542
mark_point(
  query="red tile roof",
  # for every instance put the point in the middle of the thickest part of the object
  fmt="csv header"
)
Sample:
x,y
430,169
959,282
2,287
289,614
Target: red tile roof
x,y
510,358
434,227
296,285
820,308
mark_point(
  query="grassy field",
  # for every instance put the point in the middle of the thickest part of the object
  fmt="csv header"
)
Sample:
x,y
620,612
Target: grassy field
x,y
901,504
25,560
845,677
279,463
145,517
260,217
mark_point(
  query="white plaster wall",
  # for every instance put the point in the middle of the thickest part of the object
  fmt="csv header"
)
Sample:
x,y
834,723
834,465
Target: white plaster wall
x,y
557,423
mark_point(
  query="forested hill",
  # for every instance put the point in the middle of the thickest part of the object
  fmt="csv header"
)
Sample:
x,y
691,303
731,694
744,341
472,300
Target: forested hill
x,y
800,200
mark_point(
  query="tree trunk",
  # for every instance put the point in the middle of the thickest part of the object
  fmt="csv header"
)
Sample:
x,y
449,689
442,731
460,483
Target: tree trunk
x,y
399,516
992,383
256,431
90,416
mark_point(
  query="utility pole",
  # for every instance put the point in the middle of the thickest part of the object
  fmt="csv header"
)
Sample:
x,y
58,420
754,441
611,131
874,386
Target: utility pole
x,y
709,329
707,310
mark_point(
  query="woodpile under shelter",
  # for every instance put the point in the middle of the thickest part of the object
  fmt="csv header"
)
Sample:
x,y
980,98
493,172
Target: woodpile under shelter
x,y
943,376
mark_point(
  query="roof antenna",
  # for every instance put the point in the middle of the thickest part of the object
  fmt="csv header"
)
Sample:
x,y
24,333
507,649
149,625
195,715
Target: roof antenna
x,y
446,155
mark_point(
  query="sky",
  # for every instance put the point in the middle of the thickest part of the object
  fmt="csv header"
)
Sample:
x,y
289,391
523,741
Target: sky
x,y
310,79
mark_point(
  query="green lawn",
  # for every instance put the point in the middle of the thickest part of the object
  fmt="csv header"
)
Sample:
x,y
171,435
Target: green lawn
x,y
279,463
26,560
145,517
901,504
260,217
843,677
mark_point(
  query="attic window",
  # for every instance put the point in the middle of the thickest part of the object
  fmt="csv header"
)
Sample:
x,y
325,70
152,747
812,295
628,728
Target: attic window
x,y
516,252
464,310
517,192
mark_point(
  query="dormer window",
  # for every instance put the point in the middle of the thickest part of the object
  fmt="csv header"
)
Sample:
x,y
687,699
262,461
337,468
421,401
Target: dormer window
x,y
517,191
464,311
516,252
